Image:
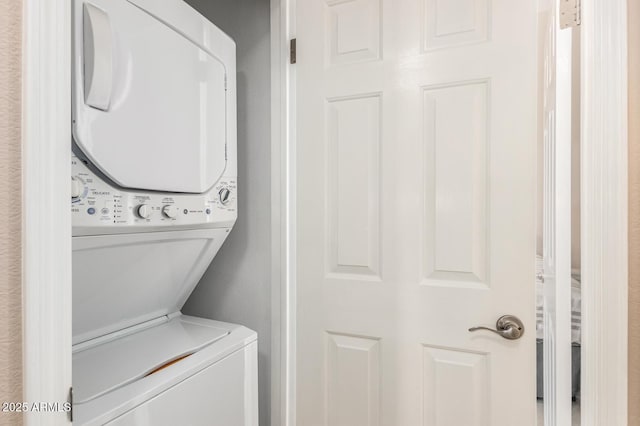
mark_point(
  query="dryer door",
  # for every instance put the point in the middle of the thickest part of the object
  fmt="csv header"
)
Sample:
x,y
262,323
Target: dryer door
x,y
151,107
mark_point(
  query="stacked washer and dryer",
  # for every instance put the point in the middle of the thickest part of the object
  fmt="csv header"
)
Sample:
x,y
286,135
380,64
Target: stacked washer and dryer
x,y
154,196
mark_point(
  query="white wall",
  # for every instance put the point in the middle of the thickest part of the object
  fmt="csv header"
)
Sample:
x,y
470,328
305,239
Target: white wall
x,y
236,287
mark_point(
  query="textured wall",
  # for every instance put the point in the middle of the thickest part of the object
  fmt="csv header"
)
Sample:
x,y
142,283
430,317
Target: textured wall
x,y
634,212
237,286
10,224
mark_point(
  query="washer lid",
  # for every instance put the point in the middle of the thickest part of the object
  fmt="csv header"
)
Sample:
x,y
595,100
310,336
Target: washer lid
x,y
123,280
150,101
111,365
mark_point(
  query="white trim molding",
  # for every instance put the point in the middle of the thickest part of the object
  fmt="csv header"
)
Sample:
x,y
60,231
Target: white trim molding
x,y
604,212
283,214
46,233
278,217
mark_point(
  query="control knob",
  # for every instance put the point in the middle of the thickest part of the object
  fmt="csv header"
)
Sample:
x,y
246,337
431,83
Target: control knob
x,y
144,211
76,188
170,211
224,195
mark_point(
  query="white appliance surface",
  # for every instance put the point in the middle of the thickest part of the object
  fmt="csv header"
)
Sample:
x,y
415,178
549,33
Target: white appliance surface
x,y
98,207
133,356
154,94
127,279
215,385
153,199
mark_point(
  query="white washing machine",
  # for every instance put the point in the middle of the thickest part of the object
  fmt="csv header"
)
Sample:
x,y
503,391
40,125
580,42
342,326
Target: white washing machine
x,y
153,198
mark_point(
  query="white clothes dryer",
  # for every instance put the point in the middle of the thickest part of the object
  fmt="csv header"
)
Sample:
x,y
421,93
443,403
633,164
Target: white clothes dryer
x,y
154,196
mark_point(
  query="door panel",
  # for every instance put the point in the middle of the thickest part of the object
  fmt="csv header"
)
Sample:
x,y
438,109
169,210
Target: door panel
x,y
416,133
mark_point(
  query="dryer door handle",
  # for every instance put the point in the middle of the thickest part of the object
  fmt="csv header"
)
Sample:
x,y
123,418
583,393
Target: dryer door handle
x,y
98,57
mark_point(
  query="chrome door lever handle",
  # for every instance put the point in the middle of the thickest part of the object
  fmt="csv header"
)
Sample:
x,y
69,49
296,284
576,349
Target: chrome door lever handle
x,y
508,326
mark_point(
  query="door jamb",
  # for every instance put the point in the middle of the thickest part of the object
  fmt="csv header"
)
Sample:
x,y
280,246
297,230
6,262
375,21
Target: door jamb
x,y
46,217
604,211
283,371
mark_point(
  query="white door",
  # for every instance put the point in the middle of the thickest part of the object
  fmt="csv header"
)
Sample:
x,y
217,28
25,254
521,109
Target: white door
x,y
416,178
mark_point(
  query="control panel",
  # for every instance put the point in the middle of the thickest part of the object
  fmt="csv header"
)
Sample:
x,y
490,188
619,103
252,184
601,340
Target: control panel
x,y
98,207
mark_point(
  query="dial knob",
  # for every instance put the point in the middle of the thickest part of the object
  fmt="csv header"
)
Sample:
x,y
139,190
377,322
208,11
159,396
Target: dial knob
x,y
224,195
144,211
170,211
76,188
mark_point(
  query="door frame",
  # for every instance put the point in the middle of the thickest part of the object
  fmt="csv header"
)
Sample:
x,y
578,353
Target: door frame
x,y
604,211
283,307
46,239
46,217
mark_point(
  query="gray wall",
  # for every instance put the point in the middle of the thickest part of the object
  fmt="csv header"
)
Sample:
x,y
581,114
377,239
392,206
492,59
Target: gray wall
x,y
236,287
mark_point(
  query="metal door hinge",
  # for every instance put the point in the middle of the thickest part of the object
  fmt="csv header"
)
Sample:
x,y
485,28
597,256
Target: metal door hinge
x,y
569,13
70,401
292,51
